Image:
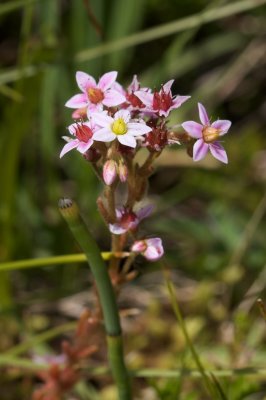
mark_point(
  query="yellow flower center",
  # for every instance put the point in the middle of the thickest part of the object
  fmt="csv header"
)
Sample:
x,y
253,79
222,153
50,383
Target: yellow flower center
x,y
119,127
210,134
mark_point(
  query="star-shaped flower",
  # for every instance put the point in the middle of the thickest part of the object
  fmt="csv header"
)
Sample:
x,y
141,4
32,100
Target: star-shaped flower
x,y
82,141
96,95
207,136
119,127
128,219
161,102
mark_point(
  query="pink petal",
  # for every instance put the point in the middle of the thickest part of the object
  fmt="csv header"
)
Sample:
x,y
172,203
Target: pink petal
x,y
153,253
109,172
156,242
102,119
92,108
223,125
113,98
118,88
104,135
139,246
167,86
200,150
84,146
138,128
119,212
72,129
107,80
127,140
203,115
165,114
124,114
117,229
178,101
194,129
134,84
146,98
144,212
77,101
218,152
84,81
69,146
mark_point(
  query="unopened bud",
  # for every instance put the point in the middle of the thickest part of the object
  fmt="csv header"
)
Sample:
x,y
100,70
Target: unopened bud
x,y
139,246
122,172
109,172
151,249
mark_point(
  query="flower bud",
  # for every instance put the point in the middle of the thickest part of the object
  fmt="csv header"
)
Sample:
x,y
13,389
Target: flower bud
x,y
109,172
151,249
139,246
122,171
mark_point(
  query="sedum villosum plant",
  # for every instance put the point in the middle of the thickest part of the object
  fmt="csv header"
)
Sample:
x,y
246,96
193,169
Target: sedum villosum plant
x,y
111,125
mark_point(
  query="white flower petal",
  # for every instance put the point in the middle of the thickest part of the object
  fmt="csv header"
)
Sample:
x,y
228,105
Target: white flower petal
x,y
124,114
104,135
127,140
117,229
137,128
102,119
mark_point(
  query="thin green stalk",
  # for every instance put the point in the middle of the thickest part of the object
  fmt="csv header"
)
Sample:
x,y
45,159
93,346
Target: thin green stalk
x,y
9,154
193,373
21,363
56,260
70,212
14,5
42,337
169,29
207,381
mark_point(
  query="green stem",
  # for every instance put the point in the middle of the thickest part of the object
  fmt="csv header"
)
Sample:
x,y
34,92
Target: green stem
x,y
70,212
56,260
207,381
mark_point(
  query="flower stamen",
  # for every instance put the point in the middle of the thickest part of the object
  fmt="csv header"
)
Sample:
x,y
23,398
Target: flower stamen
x,y
95,95
210,134
119,127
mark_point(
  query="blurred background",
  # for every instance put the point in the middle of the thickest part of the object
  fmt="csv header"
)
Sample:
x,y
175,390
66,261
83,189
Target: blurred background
x,y
211,217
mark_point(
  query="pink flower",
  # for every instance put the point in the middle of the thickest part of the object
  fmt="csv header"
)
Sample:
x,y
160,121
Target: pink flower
x,y
151,249
207,135
119,127
83,133
129,220
161,102
132,99
96,95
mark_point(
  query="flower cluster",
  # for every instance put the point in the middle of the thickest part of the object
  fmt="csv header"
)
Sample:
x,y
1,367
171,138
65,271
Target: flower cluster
x,y
112,124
